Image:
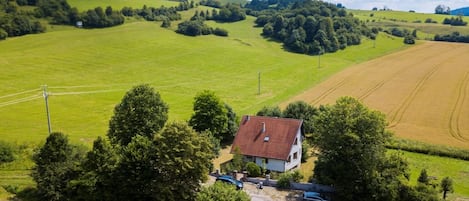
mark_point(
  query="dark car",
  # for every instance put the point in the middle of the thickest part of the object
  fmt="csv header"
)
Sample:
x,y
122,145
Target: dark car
x,y
230,180
313,196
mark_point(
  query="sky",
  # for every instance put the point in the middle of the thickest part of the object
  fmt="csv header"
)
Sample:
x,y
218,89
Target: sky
x,y
421,6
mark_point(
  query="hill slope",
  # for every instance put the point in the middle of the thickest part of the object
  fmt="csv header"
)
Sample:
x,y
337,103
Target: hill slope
x,y
88,71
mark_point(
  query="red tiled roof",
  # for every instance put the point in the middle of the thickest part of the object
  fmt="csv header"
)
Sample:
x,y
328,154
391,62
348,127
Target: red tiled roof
x,y
281,132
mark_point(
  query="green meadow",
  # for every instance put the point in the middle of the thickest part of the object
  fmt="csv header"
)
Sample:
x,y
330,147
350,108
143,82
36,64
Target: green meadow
x,y
438,168
409,20
84,5
88,72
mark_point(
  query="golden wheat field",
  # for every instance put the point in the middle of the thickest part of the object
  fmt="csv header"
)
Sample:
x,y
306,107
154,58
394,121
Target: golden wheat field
x,y
423,91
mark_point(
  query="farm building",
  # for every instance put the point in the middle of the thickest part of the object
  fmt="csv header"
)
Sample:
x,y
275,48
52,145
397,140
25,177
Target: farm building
x,y
273,143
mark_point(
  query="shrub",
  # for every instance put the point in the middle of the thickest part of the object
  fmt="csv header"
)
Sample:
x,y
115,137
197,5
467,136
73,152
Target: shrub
x,y
3,34
253,169
6,153
221,191
220,32
409,40
285,179
11,189
193,28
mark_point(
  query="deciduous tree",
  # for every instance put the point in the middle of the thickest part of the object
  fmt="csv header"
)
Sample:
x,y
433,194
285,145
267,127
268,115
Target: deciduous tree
x,y
304,111
351,142
209,114
273,111
446,186
56,165
184,161
141,112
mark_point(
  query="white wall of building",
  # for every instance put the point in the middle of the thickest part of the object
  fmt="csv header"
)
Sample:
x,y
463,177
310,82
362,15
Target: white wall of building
x,y
296,148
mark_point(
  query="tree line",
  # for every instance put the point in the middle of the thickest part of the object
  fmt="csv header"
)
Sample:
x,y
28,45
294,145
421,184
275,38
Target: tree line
x,y
455,21
453,37
18,22
308,27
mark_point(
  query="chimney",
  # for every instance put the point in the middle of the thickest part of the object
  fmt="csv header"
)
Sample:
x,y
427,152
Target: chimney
x,y
246,119
263,127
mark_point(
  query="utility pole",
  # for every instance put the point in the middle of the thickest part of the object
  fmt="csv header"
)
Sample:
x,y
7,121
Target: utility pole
x,y
259,84
46,96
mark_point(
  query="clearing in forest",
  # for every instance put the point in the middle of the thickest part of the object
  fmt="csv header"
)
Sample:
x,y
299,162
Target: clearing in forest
x,y
422,90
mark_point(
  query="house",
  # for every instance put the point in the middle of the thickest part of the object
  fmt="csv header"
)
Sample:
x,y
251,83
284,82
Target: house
x,y
270,142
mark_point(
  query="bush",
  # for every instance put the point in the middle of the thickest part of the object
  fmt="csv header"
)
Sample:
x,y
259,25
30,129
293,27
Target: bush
x,y
221,191
409,40
285,179
253,169
11,189
220,32
6,153
3,34
193,28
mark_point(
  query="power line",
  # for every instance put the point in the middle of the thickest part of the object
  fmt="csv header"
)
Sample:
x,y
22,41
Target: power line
x,y
19,93
83,92
21,100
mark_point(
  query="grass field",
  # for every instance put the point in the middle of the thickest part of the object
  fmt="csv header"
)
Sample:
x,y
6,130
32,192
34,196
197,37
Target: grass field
x,y
408,20
422,91
88,72
84,5
440,167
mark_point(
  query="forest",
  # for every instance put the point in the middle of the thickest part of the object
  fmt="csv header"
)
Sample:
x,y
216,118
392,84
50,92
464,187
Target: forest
x,y
309,27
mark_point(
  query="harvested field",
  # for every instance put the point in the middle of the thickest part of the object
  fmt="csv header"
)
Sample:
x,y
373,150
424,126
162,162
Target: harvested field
x,y
422,90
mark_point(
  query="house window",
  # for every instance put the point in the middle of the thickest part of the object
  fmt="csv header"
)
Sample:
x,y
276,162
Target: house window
x,y
289,159
295,156
266,160
296,141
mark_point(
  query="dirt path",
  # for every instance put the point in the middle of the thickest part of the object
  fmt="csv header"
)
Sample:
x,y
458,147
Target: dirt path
x,y
423,90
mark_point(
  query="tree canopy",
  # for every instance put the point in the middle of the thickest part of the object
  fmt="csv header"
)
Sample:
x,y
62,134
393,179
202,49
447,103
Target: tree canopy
x,y
353,159
56,165
446,186
141,112
210,113
352,147
304,111
308,27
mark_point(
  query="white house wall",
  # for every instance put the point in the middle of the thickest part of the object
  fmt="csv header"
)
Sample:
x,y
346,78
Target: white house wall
x,y
273,164
295,148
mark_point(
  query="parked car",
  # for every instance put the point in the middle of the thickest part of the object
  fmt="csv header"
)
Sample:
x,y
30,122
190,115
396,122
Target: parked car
x,y
230,180
312,196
